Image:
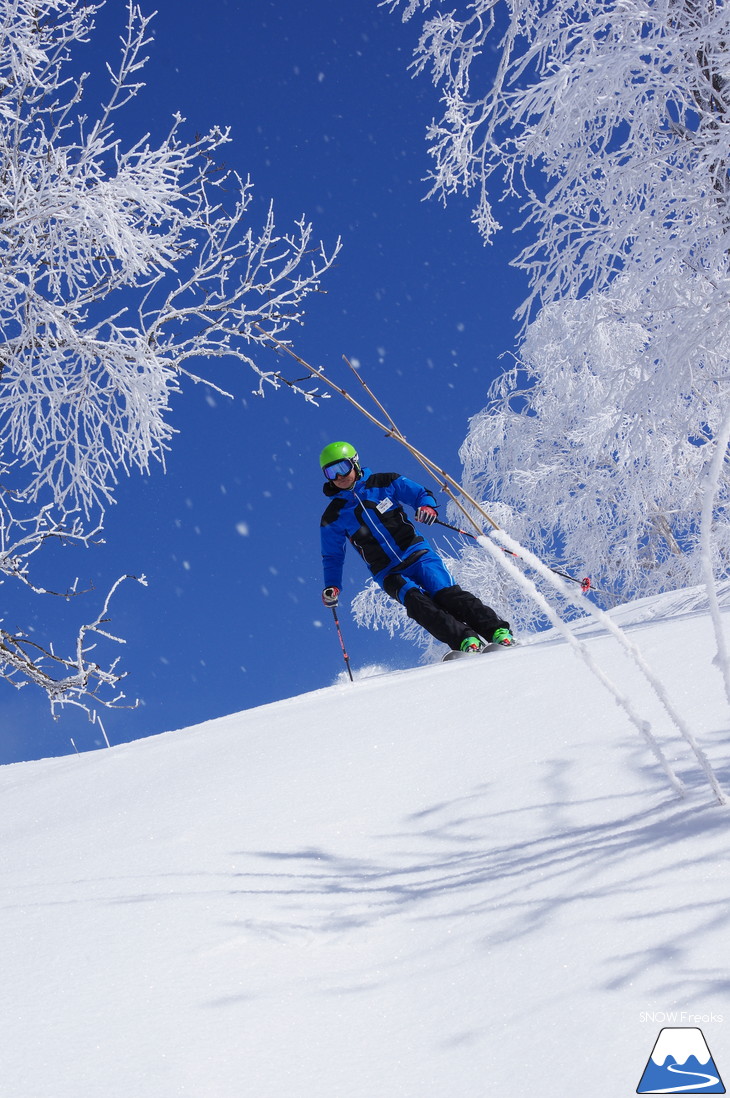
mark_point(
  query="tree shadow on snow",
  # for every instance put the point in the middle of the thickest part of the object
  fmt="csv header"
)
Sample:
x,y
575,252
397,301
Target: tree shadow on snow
x,y
629,865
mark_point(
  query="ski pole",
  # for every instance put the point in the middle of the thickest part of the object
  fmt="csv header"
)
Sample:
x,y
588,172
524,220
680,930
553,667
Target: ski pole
x,y
342,643
466,533
585,583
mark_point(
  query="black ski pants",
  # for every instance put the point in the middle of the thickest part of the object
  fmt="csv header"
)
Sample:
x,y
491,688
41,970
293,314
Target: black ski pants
x,y
450,615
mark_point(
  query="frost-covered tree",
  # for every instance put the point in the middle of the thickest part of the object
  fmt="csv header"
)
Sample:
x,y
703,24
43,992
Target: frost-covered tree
x,y
610,123
123,268
619,444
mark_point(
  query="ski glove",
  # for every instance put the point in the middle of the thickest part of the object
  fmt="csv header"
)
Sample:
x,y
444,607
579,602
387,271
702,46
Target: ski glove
x,y
426,515
330,596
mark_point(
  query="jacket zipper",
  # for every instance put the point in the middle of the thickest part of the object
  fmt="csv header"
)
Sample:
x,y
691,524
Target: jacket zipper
x,y
383,533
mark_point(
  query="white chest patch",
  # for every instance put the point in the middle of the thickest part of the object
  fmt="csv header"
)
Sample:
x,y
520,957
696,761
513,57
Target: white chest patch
x,y
384,505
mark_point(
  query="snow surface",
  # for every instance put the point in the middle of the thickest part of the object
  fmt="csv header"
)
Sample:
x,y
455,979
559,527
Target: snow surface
x,y
456,880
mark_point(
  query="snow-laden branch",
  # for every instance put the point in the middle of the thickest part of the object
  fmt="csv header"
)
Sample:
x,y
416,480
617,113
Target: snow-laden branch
x,y
608,124
607,121
598,436
711,487
72,679
125,269
119,268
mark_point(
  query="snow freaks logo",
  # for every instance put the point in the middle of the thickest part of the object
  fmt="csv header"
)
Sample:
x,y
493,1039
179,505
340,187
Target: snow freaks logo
x,y
680,1063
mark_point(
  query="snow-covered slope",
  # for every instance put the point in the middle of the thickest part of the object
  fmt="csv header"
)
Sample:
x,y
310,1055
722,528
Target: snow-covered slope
x,y
458,880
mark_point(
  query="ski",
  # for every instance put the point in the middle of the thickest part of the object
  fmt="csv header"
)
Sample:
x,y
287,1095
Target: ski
x,y
452,655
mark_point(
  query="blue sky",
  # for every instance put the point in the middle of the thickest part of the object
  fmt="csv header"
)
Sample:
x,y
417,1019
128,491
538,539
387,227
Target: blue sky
x,y
326,120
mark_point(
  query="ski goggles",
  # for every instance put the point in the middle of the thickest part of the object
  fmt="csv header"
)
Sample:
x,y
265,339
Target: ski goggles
x,y
339,468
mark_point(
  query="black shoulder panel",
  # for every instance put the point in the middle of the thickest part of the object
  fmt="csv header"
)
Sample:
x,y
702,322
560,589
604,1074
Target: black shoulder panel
x,y
332,512
380,480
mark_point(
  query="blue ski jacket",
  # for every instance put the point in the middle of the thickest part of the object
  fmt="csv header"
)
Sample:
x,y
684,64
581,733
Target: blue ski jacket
x,y
370,516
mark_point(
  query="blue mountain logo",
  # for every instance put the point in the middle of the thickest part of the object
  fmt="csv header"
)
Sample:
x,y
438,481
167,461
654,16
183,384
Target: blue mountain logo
x,y
680,1063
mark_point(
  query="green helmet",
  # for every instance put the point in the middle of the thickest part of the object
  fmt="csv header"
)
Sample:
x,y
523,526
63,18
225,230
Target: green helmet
x,y
337,451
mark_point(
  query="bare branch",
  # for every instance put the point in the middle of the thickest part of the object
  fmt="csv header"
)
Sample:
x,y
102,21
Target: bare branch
x,y
67,680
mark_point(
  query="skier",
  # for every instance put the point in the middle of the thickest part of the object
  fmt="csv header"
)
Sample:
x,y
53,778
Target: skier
x,y
366,508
